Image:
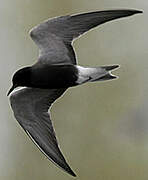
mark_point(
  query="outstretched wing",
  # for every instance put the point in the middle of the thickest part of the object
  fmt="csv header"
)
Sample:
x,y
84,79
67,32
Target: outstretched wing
x,y
54,36
30,107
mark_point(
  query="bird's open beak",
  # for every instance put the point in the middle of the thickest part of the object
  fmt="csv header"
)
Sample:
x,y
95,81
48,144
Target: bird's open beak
x,y
11,89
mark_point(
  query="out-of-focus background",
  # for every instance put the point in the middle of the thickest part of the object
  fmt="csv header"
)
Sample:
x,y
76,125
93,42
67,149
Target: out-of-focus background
x,y
102,127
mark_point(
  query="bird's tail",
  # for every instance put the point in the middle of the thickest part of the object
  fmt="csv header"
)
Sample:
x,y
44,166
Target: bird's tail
x,y
102,73
106,73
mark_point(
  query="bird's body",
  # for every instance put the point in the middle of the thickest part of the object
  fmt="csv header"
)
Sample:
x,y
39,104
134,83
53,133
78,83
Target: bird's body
x,y
55,71
50,77
60,76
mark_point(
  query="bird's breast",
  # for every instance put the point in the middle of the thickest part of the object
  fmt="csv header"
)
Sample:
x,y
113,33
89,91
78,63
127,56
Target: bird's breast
x,y
54,76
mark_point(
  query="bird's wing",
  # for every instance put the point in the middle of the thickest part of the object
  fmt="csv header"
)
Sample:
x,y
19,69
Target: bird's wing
x,y
54,36
30,107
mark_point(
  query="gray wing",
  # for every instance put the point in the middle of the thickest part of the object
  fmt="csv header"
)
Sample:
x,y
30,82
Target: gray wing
x,y
54,36
30,107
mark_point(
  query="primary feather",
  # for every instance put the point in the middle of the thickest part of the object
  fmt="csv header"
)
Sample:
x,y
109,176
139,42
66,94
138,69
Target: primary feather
x,y
54,36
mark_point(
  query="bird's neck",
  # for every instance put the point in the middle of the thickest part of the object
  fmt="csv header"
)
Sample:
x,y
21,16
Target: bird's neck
x,y
27,76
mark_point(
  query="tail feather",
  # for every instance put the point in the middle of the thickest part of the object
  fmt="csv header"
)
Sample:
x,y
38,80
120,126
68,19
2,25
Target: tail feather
x,y
102,73
108,76
110,68
107,73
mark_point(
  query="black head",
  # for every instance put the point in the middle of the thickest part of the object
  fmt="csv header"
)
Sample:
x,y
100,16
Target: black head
x,y
20,78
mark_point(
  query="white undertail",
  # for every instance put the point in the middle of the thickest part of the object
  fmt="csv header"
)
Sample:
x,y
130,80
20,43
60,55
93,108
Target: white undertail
x,y
86,74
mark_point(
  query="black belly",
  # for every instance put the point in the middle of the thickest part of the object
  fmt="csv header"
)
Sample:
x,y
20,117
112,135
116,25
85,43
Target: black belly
x,y
54,76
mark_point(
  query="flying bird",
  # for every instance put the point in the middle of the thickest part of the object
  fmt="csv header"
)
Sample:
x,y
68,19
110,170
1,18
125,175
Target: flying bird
x,y
55,71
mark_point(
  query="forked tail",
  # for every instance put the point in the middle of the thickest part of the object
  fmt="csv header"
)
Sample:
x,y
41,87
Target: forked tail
x,y
102,73
107,75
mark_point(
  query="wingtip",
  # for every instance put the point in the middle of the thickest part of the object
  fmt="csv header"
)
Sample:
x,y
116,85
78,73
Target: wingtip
x,y
137,11
72,174
130,12
69,170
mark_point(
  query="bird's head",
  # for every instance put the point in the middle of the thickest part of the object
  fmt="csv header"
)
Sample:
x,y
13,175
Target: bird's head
x,y
20,78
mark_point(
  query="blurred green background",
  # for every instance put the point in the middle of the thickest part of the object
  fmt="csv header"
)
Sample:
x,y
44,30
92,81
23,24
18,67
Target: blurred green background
x,y
102,127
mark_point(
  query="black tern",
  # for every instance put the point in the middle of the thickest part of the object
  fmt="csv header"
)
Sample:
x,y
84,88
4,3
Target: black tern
x,y
55,71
